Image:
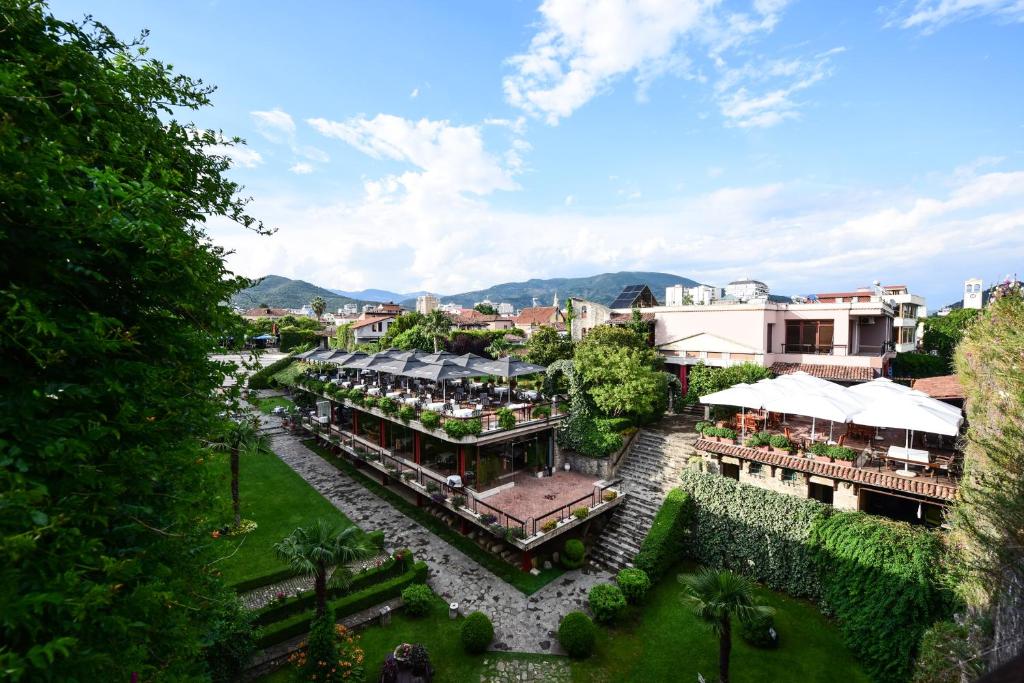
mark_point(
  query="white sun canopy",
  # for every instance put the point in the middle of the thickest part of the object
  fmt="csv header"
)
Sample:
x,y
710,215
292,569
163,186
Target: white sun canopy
x,y
740,395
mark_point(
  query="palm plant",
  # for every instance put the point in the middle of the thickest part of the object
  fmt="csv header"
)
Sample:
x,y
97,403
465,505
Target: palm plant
x,y
437,325
319,306
313,550
241,437
718,597
499,347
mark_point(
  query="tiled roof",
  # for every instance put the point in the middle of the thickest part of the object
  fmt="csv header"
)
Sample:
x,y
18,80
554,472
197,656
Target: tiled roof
x,y
919,486
537,315
944,386
842,373
267,312
472,317
369,321
621,318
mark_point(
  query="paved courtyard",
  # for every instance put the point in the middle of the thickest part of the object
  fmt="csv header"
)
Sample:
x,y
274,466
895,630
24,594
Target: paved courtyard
x,y
537,498
521,623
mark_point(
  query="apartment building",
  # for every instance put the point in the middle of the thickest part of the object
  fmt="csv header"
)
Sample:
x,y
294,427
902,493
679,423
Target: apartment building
x,y
426,304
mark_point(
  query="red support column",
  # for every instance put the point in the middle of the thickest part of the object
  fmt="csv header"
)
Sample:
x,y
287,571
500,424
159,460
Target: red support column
x,y
416,447
462,461
527,564
383,441
355,421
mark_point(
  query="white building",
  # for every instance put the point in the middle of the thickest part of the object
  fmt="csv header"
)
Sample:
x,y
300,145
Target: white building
x,y
908,322
426,304
451,308
348,310
974,294
746,290
506,309
701,295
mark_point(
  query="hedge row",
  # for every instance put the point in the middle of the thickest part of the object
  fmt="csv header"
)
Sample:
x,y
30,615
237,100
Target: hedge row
x,y
881,579
350,604
760,533
664,545
258,581
307,600
261,378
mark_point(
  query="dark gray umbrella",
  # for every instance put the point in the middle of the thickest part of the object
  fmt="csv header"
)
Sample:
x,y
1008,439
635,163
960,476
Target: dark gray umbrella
x,y
510,367
306,354
437,357
408,355
468,360
443,371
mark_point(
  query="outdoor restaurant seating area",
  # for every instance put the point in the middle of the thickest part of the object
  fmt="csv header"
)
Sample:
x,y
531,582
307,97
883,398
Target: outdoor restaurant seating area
x,y
886,426
459,387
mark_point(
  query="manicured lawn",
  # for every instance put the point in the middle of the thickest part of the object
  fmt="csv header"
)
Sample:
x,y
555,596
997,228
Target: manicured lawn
x,y
665,642
268,404
524,581
279,500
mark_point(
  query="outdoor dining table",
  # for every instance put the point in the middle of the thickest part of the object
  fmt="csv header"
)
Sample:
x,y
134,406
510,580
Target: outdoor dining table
x,y
436,405
517,406
373,391
531,394
393,394
410,400
463,412
908,456
501,390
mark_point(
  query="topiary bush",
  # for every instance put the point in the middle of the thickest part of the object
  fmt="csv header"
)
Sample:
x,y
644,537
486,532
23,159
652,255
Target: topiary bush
x,y
477,633
606,602
261,378
634,584
418,599
406,413
460,428
760,632
779,441
663,546
430,419
577,635
573,553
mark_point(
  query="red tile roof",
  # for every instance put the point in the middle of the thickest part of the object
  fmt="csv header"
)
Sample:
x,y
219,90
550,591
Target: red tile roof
x,y
920,486
369,321
944,386
538,315
842,373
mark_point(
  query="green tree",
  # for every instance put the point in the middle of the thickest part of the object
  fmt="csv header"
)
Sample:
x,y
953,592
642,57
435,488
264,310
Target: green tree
x,y
620,374
638,325
486,309
943,333
546,346
241,437
402,323
315,549
570,313
437,326
718,598
413,339
113,297
499,347
705,379
319,306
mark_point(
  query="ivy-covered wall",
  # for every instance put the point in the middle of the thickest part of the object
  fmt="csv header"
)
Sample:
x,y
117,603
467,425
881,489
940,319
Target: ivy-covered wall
x,y
753,531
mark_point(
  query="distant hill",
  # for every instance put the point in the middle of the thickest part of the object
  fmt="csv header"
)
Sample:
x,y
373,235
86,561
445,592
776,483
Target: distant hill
x,y
601,288
282,292
381,295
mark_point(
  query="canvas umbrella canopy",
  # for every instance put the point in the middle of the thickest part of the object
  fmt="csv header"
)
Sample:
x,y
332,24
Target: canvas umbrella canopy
x,y
741,395
407,355
399,366
509,367
838,394
911,414
467,359
436,357
306,354
882,387
442,372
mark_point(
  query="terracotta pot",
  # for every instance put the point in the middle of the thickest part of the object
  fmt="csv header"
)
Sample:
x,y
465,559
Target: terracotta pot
x,y
784,451
822,458
843,463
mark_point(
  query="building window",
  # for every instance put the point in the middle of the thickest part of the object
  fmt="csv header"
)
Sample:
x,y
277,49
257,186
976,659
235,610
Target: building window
x,y
756,470
809,336
791,477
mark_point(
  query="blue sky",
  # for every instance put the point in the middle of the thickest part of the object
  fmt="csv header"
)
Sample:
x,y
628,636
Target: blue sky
x,y
447,146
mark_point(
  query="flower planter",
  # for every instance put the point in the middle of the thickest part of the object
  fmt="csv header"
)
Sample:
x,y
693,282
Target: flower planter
x,y
822,458
842,463
783,451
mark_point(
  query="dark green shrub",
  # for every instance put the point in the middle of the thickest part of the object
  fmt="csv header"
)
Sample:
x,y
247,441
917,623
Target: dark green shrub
x,y
406,413
430,419
477,633
634,584
506,419
418,599
759,439
945,647
460,428
881,579
760,632
577,635
261,378
779,441
819,448
515,533
573,553
842,453
663,546
387,405
615,425
375,539
370,402
542,412
606,602
702,425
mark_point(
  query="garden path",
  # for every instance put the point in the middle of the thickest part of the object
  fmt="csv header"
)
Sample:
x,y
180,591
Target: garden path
x,y
264,595
521,623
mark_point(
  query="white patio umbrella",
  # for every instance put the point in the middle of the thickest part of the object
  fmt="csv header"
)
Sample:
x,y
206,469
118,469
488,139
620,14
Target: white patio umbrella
x,y
912,414
838,394
741,395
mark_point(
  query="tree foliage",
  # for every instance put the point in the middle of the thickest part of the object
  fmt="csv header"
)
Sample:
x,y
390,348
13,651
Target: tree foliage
x,y
112,298
705,379
486,309
546,346
620,374
943,333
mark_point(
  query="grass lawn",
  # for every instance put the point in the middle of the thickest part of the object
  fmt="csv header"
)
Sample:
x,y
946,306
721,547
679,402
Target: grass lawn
x,y
279,500
665,642
268,404
524,581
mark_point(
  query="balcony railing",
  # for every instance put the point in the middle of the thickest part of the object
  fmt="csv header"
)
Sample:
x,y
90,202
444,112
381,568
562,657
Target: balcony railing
x,y
818,349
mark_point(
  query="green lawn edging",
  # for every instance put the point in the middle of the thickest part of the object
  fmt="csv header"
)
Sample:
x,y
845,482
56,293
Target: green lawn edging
x,y
344,606
523,581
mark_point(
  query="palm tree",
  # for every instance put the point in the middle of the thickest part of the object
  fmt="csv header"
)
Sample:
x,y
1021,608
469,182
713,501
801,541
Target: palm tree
x,y
437,325
313,550
319,306
242,437
499,347
718,597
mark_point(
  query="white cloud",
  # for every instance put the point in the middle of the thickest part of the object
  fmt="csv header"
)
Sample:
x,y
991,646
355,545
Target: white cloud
x,y
931,15
715,171
452,159
399,242
414,94
301,168
275,125
583,46
569,200
237,153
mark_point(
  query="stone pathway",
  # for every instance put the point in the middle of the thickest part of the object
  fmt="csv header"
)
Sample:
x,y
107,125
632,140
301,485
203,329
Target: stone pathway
x,y
521,623
503,670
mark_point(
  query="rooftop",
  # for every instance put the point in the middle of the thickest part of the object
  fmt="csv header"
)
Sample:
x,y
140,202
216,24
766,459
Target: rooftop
x,y
841,373
944,386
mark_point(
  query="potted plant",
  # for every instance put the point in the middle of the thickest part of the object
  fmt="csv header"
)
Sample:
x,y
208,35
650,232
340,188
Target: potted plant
x,y
403,651
726,435
549,525
842,456
419,660
487,519
609,496
760,440
701,426
458,501
820,452
779,443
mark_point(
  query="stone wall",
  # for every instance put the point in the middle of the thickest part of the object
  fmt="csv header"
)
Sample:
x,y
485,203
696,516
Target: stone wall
x,y
601,468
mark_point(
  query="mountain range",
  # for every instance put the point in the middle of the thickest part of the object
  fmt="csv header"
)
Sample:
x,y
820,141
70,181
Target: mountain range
x,y
282,292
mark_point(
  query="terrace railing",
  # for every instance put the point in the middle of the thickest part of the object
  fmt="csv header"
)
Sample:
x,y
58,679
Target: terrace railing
x,y
565,511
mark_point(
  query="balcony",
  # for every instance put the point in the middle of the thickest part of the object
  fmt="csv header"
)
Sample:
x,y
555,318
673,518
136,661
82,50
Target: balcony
x,y
526,512
815,349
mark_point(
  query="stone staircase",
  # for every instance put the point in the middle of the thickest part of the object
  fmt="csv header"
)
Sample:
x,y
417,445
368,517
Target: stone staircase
x,y
650,469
